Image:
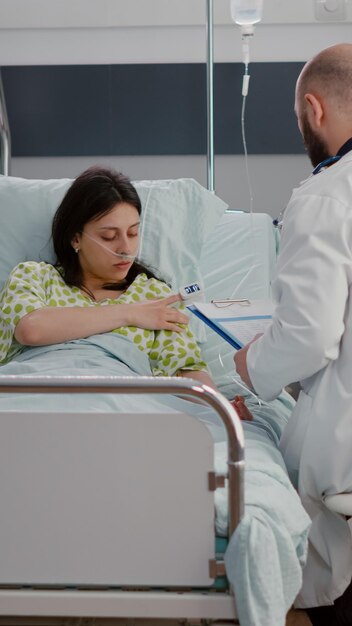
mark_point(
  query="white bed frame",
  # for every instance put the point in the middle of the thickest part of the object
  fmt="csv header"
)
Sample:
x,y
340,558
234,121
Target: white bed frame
x,y
57,495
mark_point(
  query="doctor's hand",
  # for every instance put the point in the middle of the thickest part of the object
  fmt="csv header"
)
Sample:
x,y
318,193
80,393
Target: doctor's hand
x,y
240,359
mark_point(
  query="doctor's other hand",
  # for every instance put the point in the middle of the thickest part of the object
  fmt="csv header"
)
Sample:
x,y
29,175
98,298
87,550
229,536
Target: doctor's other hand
x,y
243,412
157,314
240,358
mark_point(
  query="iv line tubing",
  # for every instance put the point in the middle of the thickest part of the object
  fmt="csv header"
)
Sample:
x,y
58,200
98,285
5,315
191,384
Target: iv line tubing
x,y
250,190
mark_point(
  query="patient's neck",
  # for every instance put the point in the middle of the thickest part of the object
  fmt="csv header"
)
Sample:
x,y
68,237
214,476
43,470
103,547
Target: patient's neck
x,y
98,294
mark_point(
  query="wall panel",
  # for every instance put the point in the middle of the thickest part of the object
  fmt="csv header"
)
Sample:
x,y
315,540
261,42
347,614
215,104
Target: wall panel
x,y
148,109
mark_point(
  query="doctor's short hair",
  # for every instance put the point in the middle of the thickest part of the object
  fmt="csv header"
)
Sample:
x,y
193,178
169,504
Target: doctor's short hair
x,y
329,73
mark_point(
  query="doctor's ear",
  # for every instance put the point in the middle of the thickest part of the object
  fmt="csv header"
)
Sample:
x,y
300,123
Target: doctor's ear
x,y
315,109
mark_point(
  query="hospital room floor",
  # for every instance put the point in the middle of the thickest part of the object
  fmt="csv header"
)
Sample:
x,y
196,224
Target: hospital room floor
x,y
294,618
85,621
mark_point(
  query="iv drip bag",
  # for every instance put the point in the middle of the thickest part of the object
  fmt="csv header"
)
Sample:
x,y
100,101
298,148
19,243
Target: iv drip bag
x,y
246,12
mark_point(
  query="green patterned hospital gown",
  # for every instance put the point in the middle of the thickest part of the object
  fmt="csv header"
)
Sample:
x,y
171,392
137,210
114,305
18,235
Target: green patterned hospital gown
x,y
33,285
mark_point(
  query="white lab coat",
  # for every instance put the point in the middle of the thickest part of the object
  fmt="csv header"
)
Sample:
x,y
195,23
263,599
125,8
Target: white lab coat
x,y
310,340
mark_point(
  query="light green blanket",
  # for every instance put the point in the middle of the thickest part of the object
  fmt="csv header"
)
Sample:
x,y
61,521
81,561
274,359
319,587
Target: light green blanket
x,y
267,550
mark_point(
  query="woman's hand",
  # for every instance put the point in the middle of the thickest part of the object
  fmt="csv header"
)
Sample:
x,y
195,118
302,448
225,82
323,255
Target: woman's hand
x,y
244,413
156,314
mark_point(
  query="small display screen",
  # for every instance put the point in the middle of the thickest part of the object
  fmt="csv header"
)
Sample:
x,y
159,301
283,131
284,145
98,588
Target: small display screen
x,y
192,288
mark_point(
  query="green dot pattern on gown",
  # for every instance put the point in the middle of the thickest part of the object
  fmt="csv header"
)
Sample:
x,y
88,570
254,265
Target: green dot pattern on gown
x,y
33,285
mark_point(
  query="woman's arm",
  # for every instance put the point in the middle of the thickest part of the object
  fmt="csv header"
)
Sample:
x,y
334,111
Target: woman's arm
x,y
199,375
238,402
50,325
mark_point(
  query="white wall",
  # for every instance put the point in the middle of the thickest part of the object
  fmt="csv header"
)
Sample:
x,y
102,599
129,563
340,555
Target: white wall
x,y
272,177
137,31
157,31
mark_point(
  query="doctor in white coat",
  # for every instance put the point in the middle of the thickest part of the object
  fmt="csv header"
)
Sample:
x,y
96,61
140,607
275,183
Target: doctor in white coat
x,y
310,339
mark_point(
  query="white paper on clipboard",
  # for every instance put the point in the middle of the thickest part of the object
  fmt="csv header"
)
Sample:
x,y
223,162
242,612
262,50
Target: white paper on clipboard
x,y
237,322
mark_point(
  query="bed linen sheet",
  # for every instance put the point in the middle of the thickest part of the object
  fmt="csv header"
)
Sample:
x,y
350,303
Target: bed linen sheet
x,y
271,539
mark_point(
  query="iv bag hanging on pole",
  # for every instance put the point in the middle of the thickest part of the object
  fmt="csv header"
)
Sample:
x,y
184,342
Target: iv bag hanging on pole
x,y
246,12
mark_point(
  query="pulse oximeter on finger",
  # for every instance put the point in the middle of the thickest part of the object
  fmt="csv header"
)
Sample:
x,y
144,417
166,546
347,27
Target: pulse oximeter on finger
x,y
191,292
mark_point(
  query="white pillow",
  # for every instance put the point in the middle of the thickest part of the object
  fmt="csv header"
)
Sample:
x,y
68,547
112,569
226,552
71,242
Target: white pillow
x,y
26,211
177,218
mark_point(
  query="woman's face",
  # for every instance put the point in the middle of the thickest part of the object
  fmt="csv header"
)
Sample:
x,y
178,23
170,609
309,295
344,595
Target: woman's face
x,y
115,232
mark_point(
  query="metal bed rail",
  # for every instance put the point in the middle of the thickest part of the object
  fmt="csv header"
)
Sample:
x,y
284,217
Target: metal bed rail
x,y
148,384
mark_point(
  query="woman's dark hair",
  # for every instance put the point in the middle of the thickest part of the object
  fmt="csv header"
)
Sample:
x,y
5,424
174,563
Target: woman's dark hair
x,y
93,194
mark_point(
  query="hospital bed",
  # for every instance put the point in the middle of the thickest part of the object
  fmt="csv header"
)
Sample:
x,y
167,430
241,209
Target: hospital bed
x,y
109,513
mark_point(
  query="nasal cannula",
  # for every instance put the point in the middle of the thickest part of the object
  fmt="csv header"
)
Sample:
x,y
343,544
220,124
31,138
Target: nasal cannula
x,y
122,255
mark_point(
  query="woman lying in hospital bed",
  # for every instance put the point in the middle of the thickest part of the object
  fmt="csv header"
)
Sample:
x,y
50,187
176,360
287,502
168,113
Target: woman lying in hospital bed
x,y
98,309
96,240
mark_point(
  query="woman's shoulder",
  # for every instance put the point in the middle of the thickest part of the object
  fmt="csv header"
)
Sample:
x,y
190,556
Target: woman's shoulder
x,y
33,266
155,286
27,268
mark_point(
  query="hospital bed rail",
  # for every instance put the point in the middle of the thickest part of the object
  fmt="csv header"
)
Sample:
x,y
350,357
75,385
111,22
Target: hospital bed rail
x,y
97,602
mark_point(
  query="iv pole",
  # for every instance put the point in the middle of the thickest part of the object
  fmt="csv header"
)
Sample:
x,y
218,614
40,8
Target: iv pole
x,y
210,96
5,138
